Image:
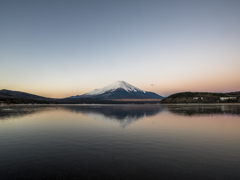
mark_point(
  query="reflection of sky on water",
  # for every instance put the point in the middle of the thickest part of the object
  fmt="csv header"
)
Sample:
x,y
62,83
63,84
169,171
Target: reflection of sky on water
x,y
187,141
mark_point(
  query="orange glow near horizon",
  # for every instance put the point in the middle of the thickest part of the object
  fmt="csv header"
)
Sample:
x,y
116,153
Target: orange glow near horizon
x,y
165,89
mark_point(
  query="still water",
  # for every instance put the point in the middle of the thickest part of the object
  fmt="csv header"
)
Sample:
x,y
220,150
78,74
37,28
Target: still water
x,y
120,142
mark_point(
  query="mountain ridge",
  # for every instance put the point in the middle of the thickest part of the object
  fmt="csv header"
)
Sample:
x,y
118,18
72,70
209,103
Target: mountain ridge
x,y
18,97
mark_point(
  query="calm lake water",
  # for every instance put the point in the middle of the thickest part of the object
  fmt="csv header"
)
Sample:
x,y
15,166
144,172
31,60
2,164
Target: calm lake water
x,y
120,142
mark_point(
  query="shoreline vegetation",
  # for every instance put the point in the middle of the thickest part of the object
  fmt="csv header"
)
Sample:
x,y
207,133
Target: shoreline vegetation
x,y
202,97
8,97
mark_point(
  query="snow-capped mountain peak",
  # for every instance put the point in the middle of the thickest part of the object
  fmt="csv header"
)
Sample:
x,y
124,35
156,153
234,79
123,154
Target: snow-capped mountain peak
x,y
120,90
116,85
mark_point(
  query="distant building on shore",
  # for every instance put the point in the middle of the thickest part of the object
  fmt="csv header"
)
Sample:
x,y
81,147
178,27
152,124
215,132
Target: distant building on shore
x,y
2,103
196,98
228,98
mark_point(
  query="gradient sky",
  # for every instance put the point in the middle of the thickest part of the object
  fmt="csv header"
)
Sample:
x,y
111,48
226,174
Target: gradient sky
x,y
58,48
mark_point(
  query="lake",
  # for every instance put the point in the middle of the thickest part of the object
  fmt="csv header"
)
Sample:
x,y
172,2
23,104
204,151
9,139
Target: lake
x,y
120,141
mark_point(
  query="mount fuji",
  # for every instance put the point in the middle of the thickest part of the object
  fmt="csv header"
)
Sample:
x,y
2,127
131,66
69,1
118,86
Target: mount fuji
x,y
120,90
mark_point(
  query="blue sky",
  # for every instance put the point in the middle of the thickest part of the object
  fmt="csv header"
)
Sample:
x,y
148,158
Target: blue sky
x,y
63,48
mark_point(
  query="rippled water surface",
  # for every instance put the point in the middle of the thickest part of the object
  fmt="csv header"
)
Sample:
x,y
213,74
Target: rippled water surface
x,y
120,142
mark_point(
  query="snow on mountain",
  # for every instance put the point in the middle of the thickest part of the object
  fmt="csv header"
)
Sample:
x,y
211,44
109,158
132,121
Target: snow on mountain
x,y
112,87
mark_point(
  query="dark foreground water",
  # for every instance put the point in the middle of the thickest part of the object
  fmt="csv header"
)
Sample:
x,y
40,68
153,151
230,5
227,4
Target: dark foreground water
x,y
120,142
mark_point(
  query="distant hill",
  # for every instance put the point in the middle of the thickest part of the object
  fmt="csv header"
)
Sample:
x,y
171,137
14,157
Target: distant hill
x,y
17,94
17,97
203,97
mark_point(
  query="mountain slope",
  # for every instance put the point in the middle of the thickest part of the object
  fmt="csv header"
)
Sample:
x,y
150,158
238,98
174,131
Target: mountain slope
x,y
120,90
17,94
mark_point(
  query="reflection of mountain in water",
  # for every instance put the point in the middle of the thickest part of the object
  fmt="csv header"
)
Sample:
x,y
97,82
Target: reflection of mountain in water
x,y
193,110
20,111
123,114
